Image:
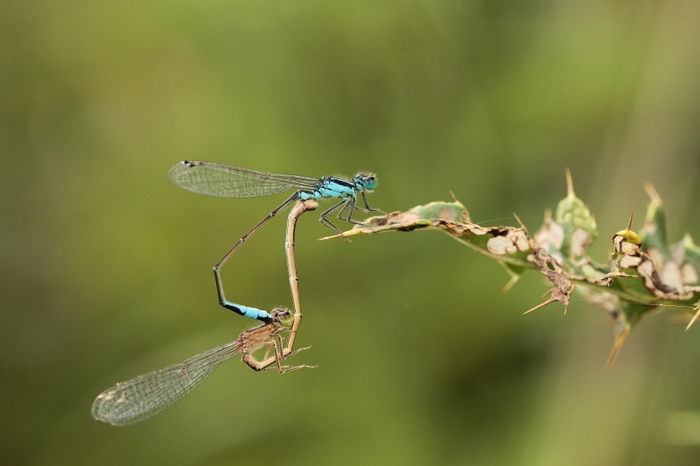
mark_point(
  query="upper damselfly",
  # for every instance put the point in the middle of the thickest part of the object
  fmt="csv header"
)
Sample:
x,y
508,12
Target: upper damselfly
x,y
219,180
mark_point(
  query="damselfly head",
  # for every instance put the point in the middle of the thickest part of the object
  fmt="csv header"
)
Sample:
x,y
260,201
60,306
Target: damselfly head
x,y
281,314
367,180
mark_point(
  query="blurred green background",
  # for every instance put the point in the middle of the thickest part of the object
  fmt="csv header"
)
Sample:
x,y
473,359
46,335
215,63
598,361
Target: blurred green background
x,y
105,268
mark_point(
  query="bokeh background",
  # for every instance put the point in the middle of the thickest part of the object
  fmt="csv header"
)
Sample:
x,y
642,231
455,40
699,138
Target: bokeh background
x,y
105,266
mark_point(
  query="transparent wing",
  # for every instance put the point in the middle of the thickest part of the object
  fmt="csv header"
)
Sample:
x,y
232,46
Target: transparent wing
x,y
219,180
146,395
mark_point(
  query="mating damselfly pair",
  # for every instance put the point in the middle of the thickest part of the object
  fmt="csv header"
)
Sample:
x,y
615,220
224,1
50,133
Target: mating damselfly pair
x,y
144,396
219,180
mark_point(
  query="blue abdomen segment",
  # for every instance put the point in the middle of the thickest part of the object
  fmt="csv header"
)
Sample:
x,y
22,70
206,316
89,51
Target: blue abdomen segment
x,y
331,187
250,312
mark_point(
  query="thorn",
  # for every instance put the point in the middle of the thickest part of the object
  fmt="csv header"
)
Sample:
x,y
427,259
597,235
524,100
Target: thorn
x,y
330,237
547,216
550,300
522,225
616,348
651,192
697,314
569,183
511,282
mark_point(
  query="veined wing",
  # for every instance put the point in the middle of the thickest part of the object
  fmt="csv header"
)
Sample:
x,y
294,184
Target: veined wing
x,y
219,180
146,395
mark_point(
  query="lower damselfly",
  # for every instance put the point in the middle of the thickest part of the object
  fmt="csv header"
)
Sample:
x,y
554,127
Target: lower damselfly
x,y
146,395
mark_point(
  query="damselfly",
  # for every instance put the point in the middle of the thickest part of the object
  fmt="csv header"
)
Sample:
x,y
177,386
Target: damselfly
x,y
146,395
219,180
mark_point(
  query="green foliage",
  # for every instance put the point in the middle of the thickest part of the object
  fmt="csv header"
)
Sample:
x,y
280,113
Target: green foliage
x,y
644,271
106,266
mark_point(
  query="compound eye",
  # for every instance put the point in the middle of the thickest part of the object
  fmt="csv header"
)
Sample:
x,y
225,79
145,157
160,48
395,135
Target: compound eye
x,y
369,182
